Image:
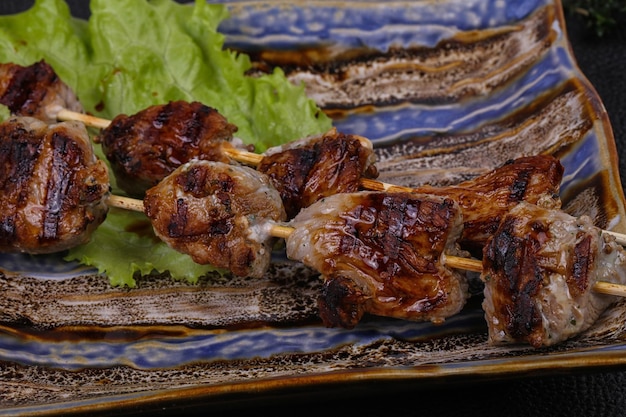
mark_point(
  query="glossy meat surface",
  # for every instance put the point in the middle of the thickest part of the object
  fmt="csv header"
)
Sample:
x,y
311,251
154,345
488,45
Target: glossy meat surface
x,y
35,91
381,253
217,213
315,167
52,187
146,147
539,271
485,200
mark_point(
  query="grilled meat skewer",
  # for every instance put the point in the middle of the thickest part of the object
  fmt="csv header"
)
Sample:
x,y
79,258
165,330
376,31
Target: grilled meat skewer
x,y
540,270
382,253
146,147
53,189
217,213
395,255
35,91
307,170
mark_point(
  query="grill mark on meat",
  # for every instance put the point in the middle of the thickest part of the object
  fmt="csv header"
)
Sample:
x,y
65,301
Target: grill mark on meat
x,y
307,170
176,226
539,270
578,279
19,155
385,227
197,183
380,253
193,126
35,91
56,187
217,213
193,181
519,186
52,186
220,227
515,257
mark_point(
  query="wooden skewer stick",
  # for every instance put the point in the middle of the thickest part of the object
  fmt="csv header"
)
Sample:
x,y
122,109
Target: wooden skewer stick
x,y
477,266
125,203
455,262
68,115
620,238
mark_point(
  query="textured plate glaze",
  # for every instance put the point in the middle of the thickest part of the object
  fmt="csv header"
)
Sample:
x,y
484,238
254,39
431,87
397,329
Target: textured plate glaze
x,y
446,90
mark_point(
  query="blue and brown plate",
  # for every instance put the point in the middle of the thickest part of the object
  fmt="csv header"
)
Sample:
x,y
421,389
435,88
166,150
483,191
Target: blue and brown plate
x,y
446,90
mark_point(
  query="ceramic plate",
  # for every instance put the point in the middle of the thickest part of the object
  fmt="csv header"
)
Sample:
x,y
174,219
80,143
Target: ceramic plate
x,y
446,90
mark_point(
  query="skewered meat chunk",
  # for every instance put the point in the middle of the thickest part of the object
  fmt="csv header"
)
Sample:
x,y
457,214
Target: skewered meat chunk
x,y
146,147
381,253
52,187
485,200
217,213
305,170
35,91
539,270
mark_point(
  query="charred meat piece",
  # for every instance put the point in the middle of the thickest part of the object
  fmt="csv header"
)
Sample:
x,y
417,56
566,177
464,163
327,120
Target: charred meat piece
x,y
52,187
146,147
539,270
35,91
485,200
381,253
318,166
217,213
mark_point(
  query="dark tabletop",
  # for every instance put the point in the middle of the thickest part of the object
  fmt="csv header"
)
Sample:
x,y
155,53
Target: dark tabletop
x,y
600,392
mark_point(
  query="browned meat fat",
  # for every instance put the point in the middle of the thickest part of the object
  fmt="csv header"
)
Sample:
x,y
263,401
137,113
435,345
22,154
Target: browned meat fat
x,y
381,253
219,214
539,270
35,91
485,200
52,187
146,147
315,167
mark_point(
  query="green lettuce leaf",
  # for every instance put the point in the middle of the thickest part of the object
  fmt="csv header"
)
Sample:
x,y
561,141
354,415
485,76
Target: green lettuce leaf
x,y
122,262
132,54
